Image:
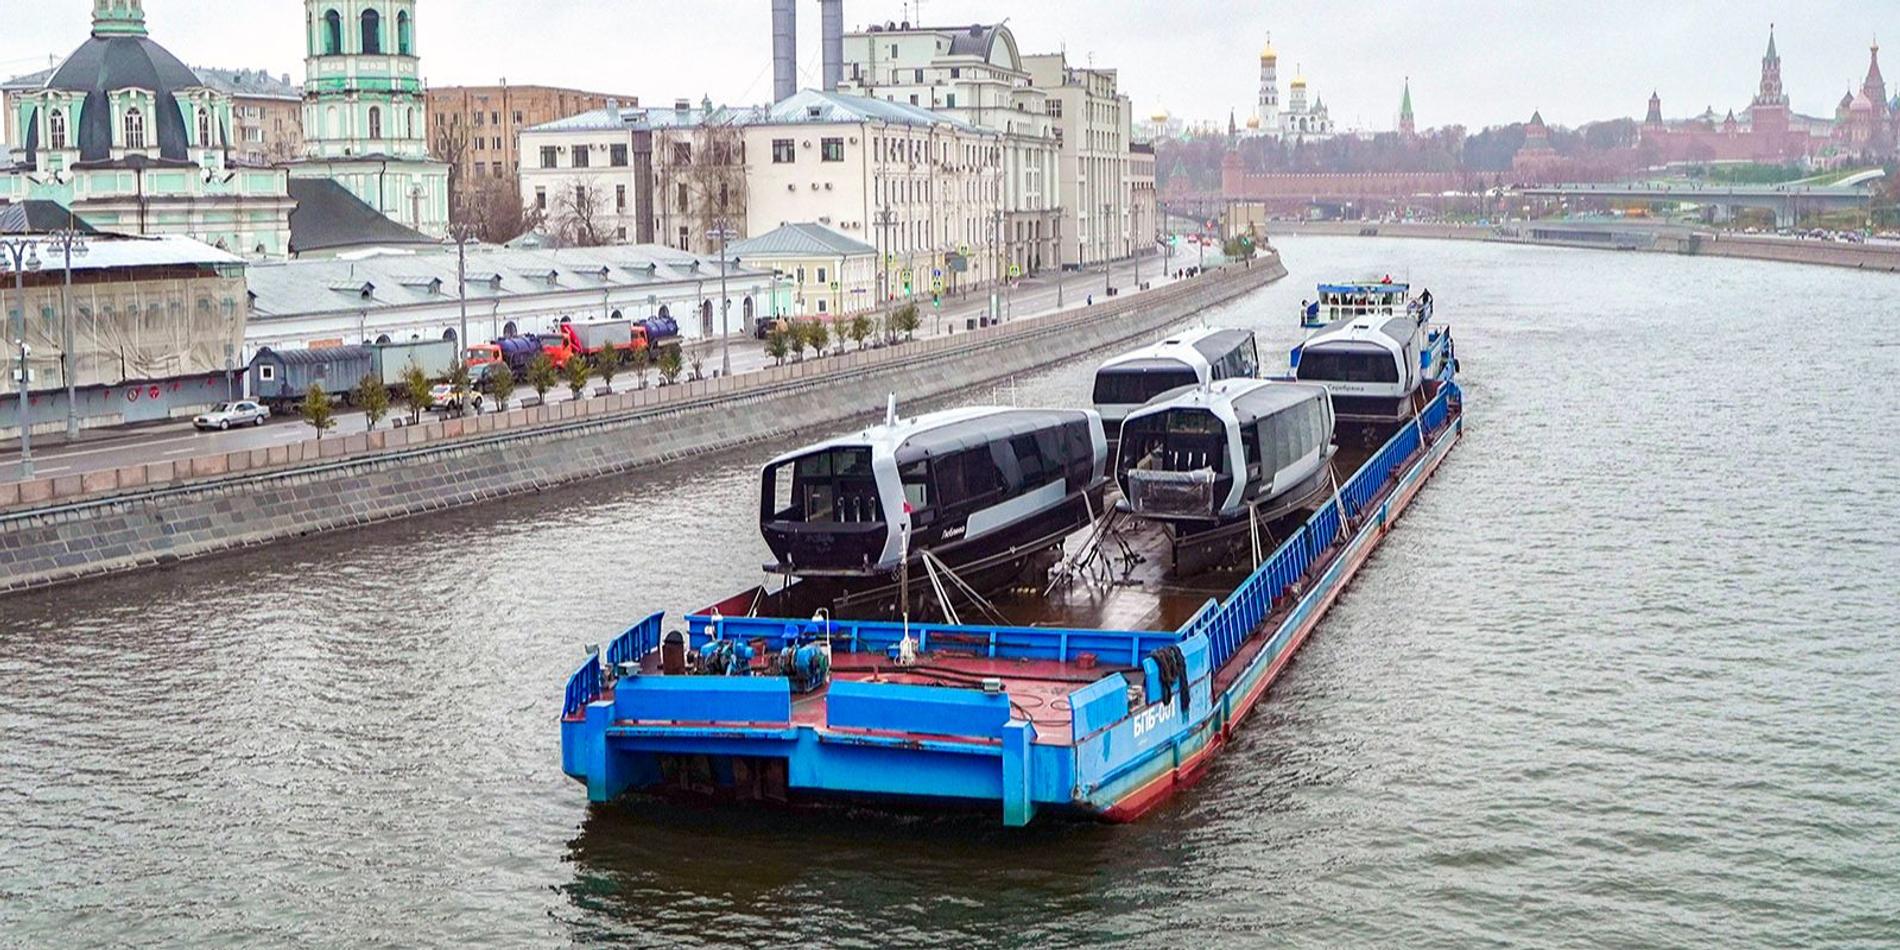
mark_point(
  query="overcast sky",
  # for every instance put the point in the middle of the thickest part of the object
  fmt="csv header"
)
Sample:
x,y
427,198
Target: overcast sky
x,y
1475,62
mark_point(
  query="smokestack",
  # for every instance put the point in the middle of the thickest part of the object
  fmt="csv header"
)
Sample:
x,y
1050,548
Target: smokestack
x,y
784,50
831,22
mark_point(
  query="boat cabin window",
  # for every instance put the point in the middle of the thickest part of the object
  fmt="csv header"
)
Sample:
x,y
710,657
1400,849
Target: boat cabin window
x,y
1289,435
1183,440
1134,386
916,480
1242,362
1348,363
970,477
835,486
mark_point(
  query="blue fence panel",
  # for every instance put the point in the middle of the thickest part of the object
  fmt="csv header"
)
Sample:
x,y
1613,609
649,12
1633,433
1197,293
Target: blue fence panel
x,y
635,642
749,699
901,707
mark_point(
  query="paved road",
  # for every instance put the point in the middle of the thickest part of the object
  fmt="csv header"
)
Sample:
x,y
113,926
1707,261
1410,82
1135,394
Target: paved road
x,y
114,448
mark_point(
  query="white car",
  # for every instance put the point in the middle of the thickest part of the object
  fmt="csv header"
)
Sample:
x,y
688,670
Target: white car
x,y
224,415
443,398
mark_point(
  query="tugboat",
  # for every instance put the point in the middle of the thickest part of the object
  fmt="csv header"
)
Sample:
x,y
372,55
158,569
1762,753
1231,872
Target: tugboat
x,y
1361,300
982,493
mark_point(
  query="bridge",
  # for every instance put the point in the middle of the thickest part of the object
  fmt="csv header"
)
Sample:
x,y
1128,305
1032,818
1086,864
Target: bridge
x,y
1787,202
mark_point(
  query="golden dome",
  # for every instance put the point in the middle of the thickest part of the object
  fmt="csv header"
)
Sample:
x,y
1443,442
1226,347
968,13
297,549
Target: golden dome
x,y
1267,55
1253,122
1299,81
1161,116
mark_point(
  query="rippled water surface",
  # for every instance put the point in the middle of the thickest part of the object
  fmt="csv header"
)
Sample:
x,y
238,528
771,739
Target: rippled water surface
x,y
1626,674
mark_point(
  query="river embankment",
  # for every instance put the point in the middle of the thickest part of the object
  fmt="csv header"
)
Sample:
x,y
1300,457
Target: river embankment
x,y
56,530
1622,236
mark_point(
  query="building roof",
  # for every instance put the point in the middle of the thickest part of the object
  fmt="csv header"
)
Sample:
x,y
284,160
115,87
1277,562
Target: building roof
x,y
813,106
399,280
39,216
638,117
114,251
328,217
29,81
254,83
800,238
112,61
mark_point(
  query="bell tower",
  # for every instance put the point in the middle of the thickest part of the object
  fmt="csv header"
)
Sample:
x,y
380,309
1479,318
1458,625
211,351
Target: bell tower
x,y
365,115
1269,105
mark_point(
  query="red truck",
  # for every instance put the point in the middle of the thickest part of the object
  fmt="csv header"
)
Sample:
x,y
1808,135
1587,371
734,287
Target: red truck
x,y
625,335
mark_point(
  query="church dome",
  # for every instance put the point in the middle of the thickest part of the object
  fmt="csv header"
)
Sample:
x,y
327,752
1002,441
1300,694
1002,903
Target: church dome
x,y
1267,53
120,56
1253,122
1299,82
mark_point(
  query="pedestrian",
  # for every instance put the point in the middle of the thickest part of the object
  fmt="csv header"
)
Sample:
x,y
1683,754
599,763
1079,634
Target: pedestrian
x,y
1091,301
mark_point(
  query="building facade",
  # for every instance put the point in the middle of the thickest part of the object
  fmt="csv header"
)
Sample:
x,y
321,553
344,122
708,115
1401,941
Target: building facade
x,y
477,128
973,74
156,323
131,140
923,188
825,272
1144,221
266,114
1092,128
627,174
365,118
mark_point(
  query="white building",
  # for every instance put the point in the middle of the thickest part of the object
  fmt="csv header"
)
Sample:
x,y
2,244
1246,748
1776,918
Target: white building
x,y
318,303
1093,128
632,170
922,187
974,74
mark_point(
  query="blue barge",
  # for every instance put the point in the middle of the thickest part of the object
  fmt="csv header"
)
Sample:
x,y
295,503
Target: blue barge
x,y
1106,719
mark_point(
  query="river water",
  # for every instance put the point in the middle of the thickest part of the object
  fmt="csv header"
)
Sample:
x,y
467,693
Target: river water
x,y
1624,675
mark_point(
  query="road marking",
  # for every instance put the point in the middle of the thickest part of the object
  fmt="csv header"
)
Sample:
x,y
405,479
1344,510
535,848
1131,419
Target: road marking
x,y
55,469
177,451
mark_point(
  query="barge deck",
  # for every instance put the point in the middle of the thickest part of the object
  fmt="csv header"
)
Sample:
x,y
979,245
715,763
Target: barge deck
x,y
1100,696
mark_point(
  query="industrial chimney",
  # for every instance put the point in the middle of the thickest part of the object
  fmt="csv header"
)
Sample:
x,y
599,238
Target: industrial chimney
x,y
784,50
831,22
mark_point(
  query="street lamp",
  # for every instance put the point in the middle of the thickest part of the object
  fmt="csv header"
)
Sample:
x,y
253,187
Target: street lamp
x,y
723,233
461,285
24,254
1108,263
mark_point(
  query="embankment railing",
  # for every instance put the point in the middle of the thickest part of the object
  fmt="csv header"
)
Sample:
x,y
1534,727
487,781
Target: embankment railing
x,y
1228,623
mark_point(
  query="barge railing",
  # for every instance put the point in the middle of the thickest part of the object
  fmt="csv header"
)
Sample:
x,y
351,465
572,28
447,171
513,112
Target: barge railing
x,y
584,684
1227,624
1125,647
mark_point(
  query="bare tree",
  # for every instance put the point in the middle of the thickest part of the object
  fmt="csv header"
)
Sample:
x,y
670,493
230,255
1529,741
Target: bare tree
x,y
493,213
449,142
578,215
702,181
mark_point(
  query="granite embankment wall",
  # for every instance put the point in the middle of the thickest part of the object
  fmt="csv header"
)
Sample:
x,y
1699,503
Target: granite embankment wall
x,y
207,506
1876,257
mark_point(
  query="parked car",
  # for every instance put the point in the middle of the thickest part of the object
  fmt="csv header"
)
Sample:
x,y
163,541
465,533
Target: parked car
x,y
443,398
224,415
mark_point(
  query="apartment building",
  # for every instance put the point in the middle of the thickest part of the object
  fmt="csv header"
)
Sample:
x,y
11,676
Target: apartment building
x,y
1144,222
1093,128
923,188
478,128
647,176
266,114
975,75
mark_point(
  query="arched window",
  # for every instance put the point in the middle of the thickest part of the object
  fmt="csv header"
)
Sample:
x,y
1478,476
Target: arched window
x,y
705,318
746,310
372,32
329,123
664,311
383,339
508,329
408,123
56,129
615,316
134,128
204,128
449,334
375,122
404,44
332,33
